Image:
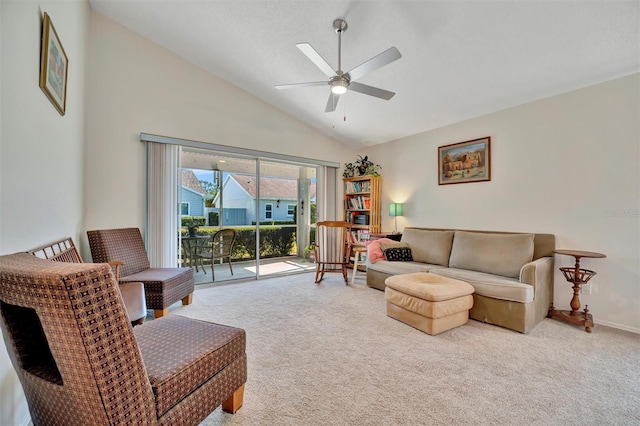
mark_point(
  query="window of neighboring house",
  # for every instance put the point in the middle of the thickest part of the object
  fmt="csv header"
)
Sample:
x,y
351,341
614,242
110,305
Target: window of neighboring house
x,y
268,211
184,208
290,209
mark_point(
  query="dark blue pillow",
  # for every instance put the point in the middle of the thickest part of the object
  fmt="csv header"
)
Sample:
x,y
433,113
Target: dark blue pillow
x,y
398,254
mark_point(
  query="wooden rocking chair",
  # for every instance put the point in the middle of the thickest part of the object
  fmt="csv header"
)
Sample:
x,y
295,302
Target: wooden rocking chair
x,y
332,248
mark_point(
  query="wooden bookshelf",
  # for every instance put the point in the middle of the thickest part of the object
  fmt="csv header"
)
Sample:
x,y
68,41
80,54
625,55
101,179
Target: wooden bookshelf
x,y
362,203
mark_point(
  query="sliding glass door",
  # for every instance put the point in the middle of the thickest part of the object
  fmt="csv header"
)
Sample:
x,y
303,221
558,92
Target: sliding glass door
x,y
269,206
287,196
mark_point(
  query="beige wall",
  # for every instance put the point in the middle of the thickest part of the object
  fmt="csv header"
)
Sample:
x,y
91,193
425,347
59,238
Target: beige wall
x,y
41,152
567,165
137,86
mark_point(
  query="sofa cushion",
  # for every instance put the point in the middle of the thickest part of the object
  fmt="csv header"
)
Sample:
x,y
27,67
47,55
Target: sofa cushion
x,y
398,254
396,268
490,285
429,246
500,254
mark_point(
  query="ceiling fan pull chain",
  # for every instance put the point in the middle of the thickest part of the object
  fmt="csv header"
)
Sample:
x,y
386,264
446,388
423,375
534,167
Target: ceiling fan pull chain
x,y
339,51
344,105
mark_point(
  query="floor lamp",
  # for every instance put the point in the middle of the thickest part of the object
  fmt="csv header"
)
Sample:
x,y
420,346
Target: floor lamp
x,y
395,210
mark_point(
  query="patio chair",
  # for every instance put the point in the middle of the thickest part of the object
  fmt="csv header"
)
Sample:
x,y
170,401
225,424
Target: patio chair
x,y
162,286
80,362
221,247
132,292
332,248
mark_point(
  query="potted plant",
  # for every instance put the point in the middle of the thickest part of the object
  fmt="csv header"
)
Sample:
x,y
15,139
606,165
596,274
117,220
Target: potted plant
x,y
349,170
366,167
192,223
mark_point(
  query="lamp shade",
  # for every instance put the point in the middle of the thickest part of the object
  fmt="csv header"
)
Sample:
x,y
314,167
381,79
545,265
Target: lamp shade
x,y
395,209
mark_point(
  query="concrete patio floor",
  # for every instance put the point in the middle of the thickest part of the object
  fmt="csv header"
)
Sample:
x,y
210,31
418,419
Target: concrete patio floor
x,y
247,270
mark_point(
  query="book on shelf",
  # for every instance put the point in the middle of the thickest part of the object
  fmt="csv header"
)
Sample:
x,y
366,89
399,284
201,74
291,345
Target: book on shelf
x,y
359,236
359,202
353,187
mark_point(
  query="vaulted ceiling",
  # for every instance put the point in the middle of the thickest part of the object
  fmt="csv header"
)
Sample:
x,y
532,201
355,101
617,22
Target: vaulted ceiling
x,y
460,59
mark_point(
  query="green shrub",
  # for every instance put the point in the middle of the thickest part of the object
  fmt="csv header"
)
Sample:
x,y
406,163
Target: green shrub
x,y
275,241
193,221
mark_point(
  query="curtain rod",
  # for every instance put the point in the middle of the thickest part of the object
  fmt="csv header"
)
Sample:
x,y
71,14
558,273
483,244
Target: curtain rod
x,y
146,137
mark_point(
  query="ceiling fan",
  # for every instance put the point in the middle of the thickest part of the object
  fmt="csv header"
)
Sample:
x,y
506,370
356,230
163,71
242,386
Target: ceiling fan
x,y
339,81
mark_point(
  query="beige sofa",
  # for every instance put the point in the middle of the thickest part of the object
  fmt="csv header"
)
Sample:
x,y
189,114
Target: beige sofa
x,y
512,273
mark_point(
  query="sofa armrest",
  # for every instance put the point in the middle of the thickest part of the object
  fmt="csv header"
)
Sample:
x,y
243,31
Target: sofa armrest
x,y
539,274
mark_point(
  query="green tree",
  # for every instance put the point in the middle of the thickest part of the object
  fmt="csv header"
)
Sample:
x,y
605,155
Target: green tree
x,y
212,191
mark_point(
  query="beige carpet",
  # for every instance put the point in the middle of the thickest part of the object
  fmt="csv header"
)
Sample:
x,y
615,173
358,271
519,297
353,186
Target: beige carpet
x,y
329,355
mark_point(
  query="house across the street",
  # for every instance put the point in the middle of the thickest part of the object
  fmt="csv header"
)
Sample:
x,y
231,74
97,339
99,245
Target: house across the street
x,y
279,198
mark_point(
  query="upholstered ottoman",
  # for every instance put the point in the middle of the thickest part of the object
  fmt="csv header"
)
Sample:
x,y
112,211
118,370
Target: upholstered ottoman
x,y
428,302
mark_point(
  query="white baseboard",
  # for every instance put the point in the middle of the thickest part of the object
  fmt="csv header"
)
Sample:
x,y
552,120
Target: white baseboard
x,y
618,326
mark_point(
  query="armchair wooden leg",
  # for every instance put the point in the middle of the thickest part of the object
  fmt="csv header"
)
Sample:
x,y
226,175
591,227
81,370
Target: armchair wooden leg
x,y
234,402
159,313
188,299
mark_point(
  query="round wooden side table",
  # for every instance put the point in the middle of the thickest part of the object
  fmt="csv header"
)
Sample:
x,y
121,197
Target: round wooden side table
x,y
576,276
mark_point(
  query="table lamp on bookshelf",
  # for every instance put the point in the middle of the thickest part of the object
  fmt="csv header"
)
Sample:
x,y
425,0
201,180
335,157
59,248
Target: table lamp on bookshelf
x,y
395,210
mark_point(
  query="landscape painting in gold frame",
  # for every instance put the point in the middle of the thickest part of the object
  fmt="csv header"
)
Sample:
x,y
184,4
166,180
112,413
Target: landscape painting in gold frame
x,y
465,162
53,66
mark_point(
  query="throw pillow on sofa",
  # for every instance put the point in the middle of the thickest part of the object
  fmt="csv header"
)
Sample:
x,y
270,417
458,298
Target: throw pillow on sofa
x,y
394,244
374,252
398,254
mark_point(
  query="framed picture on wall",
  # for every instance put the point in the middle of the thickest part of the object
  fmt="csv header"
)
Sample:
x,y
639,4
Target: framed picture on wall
x,y
465,162
53,66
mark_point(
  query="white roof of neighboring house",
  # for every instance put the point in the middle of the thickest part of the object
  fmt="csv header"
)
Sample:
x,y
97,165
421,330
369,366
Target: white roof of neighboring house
x,y
272,187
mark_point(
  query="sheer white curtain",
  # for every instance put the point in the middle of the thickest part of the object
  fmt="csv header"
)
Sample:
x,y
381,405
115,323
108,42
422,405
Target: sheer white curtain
x,y
326,177
162,204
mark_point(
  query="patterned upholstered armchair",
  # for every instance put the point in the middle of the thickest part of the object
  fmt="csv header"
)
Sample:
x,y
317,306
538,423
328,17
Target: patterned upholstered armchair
x,y
132,292
162,286
81,363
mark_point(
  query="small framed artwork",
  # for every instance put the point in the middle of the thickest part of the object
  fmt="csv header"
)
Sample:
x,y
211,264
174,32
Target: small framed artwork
x,y
465,162
53,66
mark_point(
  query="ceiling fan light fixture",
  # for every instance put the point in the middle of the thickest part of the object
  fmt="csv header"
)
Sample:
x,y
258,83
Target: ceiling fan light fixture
x,y
339,87
341,82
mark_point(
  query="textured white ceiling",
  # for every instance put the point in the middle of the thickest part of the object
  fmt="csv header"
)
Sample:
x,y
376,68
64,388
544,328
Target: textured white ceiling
x,y
461,59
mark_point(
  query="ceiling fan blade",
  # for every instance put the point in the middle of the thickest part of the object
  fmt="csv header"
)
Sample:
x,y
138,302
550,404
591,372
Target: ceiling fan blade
x,y
296,85
315,57
332,102
386,57
371,91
